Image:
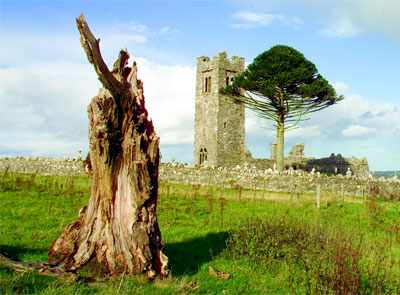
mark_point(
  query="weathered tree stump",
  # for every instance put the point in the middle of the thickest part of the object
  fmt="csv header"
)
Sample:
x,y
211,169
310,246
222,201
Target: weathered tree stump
x,y
117,231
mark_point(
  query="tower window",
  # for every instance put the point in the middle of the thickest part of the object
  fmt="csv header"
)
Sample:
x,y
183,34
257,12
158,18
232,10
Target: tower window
x,y
203,155
207,84
224,124
227,81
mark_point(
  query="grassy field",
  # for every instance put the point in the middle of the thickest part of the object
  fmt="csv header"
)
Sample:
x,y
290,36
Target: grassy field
x,y
270,244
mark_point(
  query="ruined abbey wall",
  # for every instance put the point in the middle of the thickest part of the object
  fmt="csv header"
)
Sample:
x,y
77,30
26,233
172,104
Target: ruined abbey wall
x,y
333,165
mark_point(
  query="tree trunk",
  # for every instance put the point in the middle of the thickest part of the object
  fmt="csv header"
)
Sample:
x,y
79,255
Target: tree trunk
x,y
117,231
280,134
280,138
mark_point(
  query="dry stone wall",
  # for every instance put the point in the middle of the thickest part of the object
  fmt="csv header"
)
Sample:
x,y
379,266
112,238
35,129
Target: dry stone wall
x,y
43,166
268,180
249,178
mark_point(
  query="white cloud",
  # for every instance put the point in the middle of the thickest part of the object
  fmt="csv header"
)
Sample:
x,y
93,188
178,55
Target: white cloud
x,y
143,32
351,17
131,37
164,30
43,106
27,48
167,30
252,121
341,88
353,127
380,16
19,48
308,133
255,19
355,110
358,131
169,93
43,112
39,143
132,26
341,27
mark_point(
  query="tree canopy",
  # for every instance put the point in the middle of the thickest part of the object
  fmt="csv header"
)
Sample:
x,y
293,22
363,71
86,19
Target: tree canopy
x,y
282,85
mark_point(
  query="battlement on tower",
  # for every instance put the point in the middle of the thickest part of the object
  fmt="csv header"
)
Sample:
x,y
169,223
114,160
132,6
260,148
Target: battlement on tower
x,y
220,60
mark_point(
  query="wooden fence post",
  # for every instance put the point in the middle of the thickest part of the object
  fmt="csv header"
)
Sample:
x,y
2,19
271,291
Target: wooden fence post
x,y
318,195
342,193
239,189
5,172
263,193
291,190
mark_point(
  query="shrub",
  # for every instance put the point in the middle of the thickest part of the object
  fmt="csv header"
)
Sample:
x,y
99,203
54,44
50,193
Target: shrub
x,y
321,261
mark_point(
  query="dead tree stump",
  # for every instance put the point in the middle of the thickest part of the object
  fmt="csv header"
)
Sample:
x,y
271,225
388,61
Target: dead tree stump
x,y
118,230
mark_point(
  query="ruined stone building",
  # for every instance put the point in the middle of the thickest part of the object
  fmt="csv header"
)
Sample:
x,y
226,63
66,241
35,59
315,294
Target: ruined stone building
x,y
219,123
219,126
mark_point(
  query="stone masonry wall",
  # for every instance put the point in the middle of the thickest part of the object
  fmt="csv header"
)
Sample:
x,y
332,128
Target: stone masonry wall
x,y
43,166
188,174
273,182
330,165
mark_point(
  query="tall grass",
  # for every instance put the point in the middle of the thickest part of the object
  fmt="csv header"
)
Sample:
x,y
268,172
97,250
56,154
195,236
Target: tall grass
x,y
319,260
276,244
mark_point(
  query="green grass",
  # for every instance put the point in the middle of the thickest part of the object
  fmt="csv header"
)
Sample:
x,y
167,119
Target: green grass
x,y
207,226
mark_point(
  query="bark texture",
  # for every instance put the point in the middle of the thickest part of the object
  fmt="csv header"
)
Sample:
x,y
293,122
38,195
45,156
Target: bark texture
x,y
37,267
118,230
280,140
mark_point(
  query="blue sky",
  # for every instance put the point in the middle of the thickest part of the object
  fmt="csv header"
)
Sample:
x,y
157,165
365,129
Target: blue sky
x,y
47,83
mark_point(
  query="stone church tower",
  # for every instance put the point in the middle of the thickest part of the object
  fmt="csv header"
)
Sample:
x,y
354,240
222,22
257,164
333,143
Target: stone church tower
x,y
219,132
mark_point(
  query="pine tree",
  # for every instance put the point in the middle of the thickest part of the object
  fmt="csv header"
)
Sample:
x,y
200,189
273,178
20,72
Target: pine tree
x,y
283,86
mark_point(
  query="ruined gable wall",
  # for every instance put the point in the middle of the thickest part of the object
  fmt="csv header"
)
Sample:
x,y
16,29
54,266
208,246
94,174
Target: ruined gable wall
x,y
330,165
339,165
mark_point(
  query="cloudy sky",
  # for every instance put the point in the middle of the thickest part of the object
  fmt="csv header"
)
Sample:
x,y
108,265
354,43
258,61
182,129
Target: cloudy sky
x,y
46,82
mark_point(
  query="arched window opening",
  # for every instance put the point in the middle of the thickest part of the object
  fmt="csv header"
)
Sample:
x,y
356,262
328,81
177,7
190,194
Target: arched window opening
x,y
231,80
201,160
206,85
227,81
203,156
224,124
